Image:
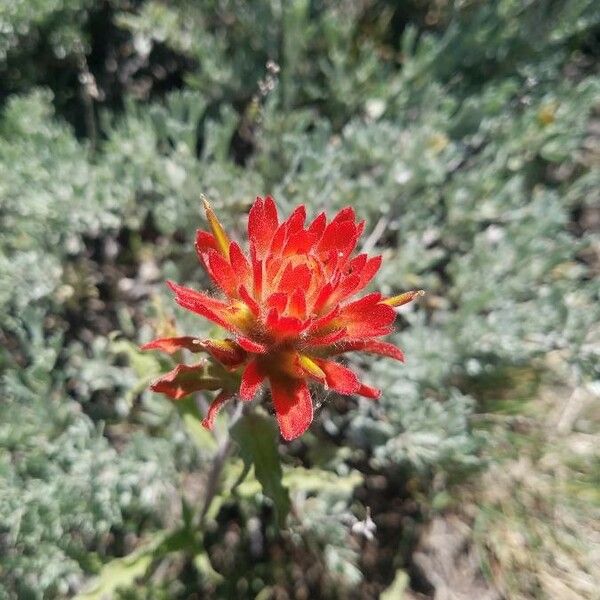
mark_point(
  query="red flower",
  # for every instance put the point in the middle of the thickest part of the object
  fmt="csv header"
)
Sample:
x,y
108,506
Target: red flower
x,y
288,310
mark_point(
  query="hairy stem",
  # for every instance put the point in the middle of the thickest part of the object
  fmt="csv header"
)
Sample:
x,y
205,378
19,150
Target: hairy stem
x,y
223,452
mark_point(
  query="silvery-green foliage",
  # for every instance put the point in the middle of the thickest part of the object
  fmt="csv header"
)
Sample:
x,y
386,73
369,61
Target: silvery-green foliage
x,y
476,184
421,419
324,521
22,20
151,152
51,195
470,147
66,493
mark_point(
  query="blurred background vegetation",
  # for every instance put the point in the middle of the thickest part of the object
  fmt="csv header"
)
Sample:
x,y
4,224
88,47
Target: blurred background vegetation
x,y
466,132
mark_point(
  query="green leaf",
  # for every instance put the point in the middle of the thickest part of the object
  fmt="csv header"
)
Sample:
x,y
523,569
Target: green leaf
x,y
204,439
321,481
256,436
145,364
203,566
396,590
122,572
119,573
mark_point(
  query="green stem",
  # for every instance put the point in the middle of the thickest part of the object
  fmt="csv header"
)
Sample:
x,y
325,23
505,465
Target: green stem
x,y
225,448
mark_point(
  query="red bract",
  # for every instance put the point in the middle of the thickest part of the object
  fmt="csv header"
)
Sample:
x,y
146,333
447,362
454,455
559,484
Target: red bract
x,y
288,308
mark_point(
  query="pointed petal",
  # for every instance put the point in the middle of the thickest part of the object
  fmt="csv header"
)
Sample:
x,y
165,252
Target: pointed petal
x,y
323,297
297,304
250,302
239,264
227,352
402,299
250,345
294,277
317,227
293,406
303,276
204,241
372,298
308,366
365,269
368,272
345,288
270,209
252,379
219,234
338,377
222,273
360,228
282,326
295,221
367,317
262,225
338,237
371,347
299,243
201,304
321,323
286,282
277,301
257,278
368,392
272,267
173,344
278,240
183,380
327,339
214,409
356,265
345,214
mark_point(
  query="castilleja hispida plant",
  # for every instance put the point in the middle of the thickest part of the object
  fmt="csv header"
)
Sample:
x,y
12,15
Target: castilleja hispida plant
x,y
289,311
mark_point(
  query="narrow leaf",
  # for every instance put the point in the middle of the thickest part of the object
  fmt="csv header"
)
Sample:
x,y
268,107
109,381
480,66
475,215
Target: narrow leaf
x,y
256,436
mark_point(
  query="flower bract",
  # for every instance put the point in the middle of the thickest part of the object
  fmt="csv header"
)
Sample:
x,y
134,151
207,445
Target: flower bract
x,y
289,307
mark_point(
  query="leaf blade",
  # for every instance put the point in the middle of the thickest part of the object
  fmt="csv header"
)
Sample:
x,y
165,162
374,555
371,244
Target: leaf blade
x,y
256,436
